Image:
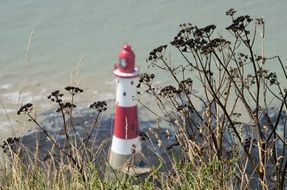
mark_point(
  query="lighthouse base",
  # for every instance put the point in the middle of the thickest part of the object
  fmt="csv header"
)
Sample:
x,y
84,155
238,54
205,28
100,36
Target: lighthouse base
x,y
118,161
124,152
132,165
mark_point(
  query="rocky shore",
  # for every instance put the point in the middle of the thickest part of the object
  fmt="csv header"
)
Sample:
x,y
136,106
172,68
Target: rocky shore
x,y
36,146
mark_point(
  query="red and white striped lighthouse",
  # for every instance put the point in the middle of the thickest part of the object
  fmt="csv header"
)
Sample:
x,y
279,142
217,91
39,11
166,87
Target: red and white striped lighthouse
x,y
126,127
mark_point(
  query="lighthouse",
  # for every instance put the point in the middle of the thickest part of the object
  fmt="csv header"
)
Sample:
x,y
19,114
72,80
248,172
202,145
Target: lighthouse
x,y
125,140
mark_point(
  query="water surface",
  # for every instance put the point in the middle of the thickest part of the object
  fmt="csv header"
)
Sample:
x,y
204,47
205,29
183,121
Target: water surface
x,y
89,34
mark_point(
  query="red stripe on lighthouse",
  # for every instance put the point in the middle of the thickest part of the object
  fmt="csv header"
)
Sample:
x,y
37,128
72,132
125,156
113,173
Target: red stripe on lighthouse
x,y
126,122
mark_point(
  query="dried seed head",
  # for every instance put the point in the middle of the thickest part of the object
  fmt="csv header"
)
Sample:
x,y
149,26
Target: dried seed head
x,y
273,178
265,128
74,90
133,149
159,143
167,132
200,130
100,106
203,114
27,108
156,136
260,21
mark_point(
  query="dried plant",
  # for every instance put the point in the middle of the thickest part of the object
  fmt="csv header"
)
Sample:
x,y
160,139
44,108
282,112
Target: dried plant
x,y
77,153
240,92
231,136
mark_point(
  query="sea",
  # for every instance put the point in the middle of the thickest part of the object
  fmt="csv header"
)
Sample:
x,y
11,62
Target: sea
x,y
46,45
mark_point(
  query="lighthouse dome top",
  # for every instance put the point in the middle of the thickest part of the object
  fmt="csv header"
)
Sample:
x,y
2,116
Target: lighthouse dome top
x,y
126,66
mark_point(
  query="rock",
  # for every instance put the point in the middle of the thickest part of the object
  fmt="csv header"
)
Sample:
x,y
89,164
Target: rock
x,y
89,139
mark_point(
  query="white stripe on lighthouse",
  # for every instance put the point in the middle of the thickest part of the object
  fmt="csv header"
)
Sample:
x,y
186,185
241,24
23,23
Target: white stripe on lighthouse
x,y
124,146
126,92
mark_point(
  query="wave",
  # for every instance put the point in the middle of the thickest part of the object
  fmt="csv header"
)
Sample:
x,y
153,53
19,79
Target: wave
x,y
6,86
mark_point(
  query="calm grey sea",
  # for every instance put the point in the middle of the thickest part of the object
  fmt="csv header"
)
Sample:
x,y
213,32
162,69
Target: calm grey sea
x,y
72,40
